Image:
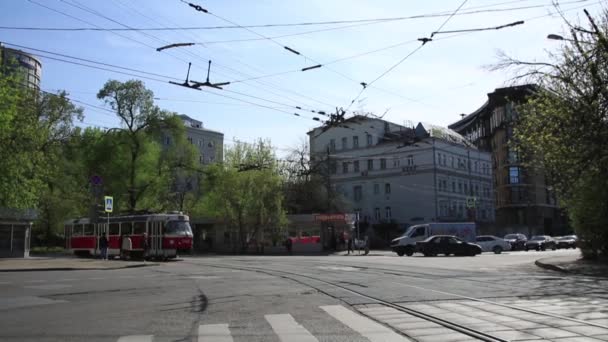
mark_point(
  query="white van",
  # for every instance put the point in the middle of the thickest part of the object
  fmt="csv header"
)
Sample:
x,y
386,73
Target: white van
x,y
406,243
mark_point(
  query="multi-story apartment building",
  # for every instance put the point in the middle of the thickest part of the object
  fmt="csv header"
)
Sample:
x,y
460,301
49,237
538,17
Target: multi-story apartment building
x,y
210,144
524,201
19,62
405,175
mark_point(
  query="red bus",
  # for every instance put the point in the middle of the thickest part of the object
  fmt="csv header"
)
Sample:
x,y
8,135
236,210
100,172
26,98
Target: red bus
x,y
168,234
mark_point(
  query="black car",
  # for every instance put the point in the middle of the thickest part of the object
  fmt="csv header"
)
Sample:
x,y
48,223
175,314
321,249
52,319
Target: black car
x,y
517,241
447,244
540,243
568,241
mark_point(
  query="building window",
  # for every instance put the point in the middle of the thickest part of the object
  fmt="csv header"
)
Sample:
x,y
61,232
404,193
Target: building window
x,y
387,188
396,162
445,185
459,187
376,189
466,190
190,140
357,193
332,145
370,164
355,141
439,158
444,163
452,161
356,166
382,164
476,190
344,143
211,144
513,157
167,140
344,167
453,186
377,214
201,142
201,159
476,166
514,175
369,140
333,168
388,213
410,160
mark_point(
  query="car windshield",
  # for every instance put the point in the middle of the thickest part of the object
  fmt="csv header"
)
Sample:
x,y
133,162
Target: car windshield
x,y
511,236
566,238
178,228
538,238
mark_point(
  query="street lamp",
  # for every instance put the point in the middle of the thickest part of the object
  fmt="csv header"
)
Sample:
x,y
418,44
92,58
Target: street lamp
x,y
558,37
555,37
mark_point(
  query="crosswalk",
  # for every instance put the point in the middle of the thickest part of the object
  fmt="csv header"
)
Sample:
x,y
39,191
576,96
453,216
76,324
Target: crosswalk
x,y
287,329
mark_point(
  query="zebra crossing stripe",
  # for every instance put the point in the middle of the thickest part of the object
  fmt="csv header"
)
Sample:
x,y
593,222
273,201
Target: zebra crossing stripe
x,y
373,331
136,338
214,332
288,330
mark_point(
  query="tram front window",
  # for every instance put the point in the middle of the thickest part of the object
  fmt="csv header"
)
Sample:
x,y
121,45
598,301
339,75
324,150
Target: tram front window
x,y
178,228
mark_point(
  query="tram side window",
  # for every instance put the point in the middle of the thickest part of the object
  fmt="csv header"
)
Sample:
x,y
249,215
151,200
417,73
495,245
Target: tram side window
x,y
126,228
77,230
139,227
88,229
114,229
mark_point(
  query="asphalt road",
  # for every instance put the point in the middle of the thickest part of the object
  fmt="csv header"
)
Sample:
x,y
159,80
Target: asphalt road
x,y
380,297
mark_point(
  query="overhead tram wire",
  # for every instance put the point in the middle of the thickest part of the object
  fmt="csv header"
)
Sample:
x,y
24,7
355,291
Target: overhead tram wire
x,y
214,93
332,22
84,8
391,68
239,72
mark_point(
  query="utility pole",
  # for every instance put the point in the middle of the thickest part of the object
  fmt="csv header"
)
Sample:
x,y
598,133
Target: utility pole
x,y
329,194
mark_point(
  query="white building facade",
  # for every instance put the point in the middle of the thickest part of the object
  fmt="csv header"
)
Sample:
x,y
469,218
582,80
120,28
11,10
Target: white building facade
x,y
392,173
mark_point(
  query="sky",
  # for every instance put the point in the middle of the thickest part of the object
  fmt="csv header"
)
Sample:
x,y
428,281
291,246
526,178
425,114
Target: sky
x,y
436,83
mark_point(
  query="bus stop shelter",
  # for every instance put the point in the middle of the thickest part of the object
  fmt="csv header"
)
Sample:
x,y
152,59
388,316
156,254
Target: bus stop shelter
x,y
15,232
335,228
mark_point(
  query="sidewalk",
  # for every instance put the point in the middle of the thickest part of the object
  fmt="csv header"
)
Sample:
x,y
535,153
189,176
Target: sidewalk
x,y
574,264
65,264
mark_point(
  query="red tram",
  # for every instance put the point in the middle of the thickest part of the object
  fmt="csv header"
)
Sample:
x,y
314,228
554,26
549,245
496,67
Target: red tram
x,y
168,234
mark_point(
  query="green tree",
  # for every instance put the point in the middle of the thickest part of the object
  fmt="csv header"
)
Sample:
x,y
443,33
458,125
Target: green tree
x,y
144,175
563,129
245,193
33,126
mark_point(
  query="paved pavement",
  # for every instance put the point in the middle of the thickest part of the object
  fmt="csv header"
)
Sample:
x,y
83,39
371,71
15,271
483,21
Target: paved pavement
x,y
65,263
309,298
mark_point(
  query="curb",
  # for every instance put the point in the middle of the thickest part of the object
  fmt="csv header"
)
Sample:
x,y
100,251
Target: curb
x,y
552,267
76,268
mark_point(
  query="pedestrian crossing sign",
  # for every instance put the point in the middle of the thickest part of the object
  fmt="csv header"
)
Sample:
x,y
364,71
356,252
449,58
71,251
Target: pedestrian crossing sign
x,y
109,203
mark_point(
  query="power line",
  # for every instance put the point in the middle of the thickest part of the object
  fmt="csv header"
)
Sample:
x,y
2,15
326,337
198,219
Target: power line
x,y
312,23
236,71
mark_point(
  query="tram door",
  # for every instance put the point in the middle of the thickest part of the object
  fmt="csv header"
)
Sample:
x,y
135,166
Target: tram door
x,y
156,238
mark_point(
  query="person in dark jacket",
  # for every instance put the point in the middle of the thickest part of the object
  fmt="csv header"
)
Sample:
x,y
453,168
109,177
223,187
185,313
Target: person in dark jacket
x,y
103,247
145,244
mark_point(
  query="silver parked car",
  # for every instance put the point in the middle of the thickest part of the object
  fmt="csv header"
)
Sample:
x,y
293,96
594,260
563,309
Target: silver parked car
x,y
491,243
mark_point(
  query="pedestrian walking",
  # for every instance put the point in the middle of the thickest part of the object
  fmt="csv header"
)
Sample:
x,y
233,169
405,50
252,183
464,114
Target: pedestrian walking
x,y
350,245
103,247
145,246
288,244
127,246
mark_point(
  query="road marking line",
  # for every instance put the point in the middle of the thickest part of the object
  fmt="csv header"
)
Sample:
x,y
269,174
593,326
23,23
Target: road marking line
x,y
288,330
214,332
136,338
373,331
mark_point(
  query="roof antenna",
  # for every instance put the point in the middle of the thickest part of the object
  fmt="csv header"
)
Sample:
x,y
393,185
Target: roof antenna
x,y
463,115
